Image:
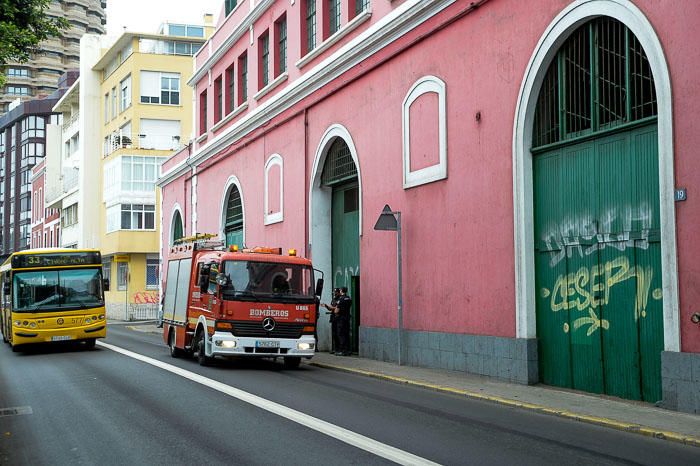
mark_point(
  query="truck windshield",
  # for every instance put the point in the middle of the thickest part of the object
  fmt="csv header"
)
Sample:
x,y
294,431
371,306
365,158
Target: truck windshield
x,y
57,290
268,280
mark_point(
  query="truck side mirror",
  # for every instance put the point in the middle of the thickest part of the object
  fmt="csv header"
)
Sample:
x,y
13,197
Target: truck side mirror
x,y
105,284
319,287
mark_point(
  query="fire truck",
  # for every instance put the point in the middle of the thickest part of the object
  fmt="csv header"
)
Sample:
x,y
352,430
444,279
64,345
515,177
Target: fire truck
x,y
255,303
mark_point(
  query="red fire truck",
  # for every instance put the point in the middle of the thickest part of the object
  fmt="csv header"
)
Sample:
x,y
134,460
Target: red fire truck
x,y
248,303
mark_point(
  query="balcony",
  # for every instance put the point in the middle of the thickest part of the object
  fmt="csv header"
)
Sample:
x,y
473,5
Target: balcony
x,y
70,121
149,141
68,181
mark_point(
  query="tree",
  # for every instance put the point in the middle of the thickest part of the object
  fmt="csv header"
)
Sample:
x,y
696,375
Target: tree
x,y
23,26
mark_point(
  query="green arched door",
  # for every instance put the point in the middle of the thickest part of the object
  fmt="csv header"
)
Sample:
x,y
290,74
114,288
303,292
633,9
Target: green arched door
x,y
597,227
233,221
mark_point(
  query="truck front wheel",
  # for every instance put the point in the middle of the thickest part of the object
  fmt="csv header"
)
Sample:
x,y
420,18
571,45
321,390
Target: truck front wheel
x,y
202,357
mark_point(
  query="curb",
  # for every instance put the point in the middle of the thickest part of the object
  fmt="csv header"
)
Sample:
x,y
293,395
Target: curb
x,y
599,421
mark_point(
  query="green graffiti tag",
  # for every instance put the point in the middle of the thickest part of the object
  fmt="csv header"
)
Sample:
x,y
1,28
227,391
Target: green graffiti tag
x,y
589,288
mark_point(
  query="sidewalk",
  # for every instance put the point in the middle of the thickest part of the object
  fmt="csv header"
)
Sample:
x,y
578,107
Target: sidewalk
x,y
630,416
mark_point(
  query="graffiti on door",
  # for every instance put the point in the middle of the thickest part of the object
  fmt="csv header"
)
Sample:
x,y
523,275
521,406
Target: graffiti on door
x,y
343,275
589,288
580,235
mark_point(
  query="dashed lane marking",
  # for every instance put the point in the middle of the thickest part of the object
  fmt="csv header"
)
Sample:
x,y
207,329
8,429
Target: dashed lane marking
x,y
339,433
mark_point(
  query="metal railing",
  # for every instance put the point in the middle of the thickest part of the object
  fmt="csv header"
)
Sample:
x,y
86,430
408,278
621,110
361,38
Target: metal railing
x,y
132,312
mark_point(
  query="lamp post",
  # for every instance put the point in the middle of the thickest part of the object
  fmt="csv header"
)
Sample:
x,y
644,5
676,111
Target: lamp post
x,y
390,220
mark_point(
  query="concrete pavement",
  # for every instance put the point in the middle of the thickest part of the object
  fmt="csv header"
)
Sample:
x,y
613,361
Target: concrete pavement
x,y
625,415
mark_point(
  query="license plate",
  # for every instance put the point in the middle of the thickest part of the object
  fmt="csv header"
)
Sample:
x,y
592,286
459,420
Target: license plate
x,y
267,344
60,337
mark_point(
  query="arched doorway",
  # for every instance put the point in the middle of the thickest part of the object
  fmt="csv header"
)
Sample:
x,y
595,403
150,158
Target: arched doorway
x,y
177,230
597,224
232,215
336,222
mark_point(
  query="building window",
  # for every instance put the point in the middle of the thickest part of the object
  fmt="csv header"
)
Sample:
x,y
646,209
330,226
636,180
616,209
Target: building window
x,y
310,25
107,270
125,94
230,6
140,173
160,88
69,216
274,190
106,109
114,103
152,272
281,45
18,72
132,217
219,104
203,112
242,78
333,16
33,127
122,275
360,6
18,90
230,89
264,51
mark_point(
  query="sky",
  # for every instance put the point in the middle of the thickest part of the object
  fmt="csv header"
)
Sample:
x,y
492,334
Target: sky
x,y
147,15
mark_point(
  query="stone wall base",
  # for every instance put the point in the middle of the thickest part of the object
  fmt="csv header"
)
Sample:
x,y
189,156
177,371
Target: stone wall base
x,y
680,381
510,359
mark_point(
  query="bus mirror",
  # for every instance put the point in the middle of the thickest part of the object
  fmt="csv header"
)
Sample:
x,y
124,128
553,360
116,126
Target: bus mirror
x,y
319,286
6,287
105,284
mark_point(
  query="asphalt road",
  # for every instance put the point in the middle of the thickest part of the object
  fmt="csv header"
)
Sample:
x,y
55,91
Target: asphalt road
x,y
131,403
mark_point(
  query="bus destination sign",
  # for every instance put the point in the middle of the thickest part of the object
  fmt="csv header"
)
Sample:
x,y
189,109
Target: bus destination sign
x,y
21,261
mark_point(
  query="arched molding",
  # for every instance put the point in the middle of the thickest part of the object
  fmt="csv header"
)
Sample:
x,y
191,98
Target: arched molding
x,y
232,181
436,172
274,217
320,200
177,210
554,36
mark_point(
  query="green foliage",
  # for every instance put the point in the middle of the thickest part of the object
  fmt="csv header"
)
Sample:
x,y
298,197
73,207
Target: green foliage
x,y
23,26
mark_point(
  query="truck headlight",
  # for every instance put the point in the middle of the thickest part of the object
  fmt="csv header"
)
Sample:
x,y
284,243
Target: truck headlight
x,y
225,343
305,346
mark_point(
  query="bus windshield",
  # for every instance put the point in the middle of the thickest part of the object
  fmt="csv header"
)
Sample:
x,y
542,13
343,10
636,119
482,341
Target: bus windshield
x,y
57,290
271,280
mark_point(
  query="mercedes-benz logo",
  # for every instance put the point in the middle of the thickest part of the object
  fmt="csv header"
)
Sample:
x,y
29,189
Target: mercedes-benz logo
x,y
59,321
268,324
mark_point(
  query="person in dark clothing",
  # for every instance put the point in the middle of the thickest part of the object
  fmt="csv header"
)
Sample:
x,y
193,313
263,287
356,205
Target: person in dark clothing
x,y
333,320
342,313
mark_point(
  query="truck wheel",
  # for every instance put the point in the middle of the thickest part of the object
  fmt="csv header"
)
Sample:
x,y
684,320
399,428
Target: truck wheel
x,y
202,357
174,350
291,363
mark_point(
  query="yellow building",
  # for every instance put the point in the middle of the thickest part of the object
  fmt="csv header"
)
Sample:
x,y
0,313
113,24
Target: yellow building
x,y
146,115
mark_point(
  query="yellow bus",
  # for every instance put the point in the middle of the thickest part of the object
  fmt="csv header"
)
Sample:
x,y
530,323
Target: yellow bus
x,y
52,295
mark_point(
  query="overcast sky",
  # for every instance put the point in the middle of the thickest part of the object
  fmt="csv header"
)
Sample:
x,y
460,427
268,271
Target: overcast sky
x,y
147,15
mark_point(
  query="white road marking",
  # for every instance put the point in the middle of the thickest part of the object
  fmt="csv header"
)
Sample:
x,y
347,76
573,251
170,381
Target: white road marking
x,y
16,411
344,435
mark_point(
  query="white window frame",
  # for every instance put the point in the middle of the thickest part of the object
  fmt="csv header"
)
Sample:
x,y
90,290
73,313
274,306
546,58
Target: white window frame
x,y
125,93
438,171
122,286
274,217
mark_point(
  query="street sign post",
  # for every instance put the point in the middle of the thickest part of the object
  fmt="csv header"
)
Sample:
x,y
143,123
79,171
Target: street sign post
x,y
391,221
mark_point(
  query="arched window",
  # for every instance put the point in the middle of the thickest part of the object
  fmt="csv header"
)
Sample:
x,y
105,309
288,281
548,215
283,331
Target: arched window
x,y
599,79
274,189
233,222
339,166
177,230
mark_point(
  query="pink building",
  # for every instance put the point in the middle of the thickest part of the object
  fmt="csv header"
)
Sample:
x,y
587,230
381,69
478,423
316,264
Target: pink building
x,y
533,153
46,223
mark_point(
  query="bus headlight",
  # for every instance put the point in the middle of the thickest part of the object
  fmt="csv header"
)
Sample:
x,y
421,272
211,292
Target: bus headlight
x,y
18,323
102,316
87,320
32,324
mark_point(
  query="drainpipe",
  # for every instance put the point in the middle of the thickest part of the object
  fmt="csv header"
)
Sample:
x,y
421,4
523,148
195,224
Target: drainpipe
x,y
307,183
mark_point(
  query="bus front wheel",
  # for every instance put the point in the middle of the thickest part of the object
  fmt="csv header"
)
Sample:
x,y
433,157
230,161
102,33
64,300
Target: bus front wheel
x,y
90,343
